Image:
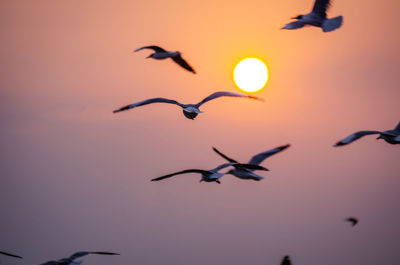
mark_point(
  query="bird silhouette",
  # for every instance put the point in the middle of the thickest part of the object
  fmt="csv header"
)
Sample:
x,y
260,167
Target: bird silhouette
x,y
286,261
317,18
189,110
352,220
245,173
211,175
161,54
390,136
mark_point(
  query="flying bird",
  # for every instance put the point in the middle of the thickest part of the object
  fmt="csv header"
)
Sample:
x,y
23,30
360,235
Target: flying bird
x,y
317,17
211,175
71,260
286,261
10,255
189,110
352,220
246,173
390,136
161,54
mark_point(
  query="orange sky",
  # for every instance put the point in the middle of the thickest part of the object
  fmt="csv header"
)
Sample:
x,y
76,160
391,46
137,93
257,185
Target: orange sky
x,y
76,177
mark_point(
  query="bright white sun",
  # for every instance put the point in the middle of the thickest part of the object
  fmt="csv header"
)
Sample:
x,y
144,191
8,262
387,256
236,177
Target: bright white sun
x,y
250,74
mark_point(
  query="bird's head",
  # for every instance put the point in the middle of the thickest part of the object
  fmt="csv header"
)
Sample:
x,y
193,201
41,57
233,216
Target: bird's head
x,y
298,17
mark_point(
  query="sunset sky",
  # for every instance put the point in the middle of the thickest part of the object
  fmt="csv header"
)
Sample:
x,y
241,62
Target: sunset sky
x,y
75,176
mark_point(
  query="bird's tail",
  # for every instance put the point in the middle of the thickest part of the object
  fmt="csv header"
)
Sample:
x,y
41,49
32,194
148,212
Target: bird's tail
x,y
332,24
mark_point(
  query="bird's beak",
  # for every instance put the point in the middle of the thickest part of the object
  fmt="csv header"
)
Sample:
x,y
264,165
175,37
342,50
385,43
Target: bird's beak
x,y
148,57
293,18
379,137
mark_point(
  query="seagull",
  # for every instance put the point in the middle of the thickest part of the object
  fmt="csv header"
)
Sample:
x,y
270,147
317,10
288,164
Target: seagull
x,y
11,255
317,17
352,220
246,173
161,54
71,260
189,110
390,136
286,261
212,175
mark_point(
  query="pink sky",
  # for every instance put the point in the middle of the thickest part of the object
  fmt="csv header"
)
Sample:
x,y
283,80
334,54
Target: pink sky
x,y
77,177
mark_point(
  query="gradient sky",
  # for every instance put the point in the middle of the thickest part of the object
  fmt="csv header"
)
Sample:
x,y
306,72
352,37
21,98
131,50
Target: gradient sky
x,y
74,176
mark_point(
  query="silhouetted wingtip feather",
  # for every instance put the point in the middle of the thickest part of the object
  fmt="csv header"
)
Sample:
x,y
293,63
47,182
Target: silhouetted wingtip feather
x,y
10,255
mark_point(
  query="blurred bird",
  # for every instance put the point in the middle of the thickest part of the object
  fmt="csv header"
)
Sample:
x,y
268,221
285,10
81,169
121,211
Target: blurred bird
x,y
286,261
189,110
352,220
317,18
10,255
245,173
160,54
71,259
390,136
212,175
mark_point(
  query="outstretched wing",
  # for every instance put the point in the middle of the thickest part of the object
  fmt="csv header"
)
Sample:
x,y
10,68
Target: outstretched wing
x,y
286,261
10,255
294,25
250,166
179,60
153,47
84,253
320,7
148,101
224,94
257,159
181,172
224,156
355,136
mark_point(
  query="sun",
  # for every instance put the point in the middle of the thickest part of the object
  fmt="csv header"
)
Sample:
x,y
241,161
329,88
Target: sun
x,y
250,74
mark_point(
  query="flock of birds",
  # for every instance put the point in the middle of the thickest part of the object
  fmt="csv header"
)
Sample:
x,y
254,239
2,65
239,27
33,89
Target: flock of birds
x,y
318,18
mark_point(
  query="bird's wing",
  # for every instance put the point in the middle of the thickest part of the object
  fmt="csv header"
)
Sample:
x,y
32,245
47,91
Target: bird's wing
x,y
320,7
182,172
224,156
148,101
50,263
397,138
9,254
84,253
224,94
153,47
250,166
257,159
355,136
294,25
286,261
179,60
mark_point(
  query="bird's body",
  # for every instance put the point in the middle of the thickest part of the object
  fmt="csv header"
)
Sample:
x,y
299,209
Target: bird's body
x,y
317,18
161,54
71,260
189,110
212,175
245,173
10,255
352,220
390,136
